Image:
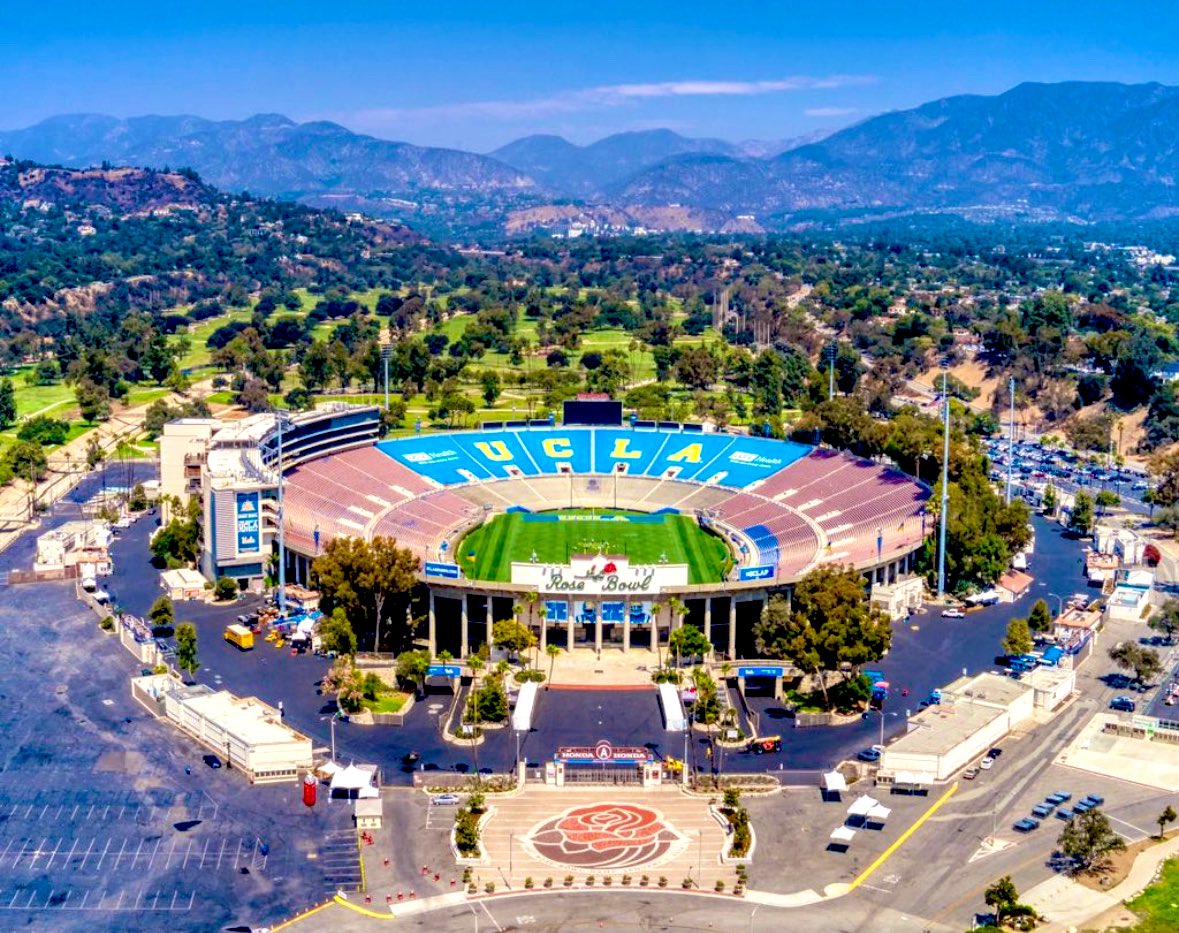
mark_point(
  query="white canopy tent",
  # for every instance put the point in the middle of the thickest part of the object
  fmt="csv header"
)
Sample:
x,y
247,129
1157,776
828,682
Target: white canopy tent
x,y
861,806
834,782
351,779
878,814
843,835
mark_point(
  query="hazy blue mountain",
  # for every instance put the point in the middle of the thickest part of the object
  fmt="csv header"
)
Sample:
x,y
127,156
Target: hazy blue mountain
x,y
1093,150
587,171
266,154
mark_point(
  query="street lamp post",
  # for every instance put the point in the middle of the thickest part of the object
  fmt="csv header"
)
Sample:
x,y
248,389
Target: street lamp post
x,y
280,421
941,550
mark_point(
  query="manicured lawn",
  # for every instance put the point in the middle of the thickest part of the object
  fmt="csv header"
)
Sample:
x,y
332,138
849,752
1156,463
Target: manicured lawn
x,y
488,551
387,703
1158,905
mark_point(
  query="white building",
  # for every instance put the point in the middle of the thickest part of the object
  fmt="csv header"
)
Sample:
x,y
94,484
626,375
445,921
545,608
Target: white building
x,y
245,732
975,714
81,543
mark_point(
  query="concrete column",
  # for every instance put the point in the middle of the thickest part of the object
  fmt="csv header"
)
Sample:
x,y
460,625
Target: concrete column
x,y
433,631
598,626
732,628
544,634
489,625
464,629
626,628
653,644
569,627
708,620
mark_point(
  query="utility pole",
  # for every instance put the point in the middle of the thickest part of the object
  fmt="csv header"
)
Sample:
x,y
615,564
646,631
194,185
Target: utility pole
x,y
941,550
1010,440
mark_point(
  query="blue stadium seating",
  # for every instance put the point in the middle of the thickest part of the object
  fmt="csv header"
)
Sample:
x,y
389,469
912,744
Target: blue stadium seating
x,y
722,459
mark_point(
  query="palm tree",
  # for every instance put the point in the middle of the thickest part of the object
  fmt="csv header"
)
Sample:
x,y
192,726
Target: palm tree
x,y
475,663
675,609
552,651
542,614
656,608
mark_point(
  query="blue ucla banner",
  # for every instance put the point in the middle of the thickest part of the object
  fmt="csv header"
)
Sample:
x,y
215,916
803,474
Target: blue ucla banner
x,y
450,571
755,573
249,536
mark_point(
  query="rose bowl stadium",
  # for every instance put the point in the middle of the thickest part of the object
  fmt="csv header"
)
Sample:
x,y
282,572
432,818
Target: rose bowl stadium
x,y
605,521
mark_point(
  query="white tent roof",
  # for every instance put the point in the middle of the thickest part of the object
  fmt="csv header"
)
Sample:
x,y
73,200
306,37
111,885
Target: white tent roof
x,y
368,793
878,814
860,806
329,768
833,780
843,834
352,778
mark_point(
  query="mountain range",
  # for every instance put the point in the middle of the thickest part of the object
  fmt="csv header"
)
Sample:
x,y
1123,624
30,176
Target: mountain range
x,y
1075,150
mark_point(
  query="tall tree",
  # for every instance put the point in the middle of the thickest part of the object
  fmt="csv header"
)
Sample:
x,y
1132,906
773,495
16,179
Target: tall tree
x,y
1018,639
1090,839
186,648
1080,519
361,577
7,403
1040,618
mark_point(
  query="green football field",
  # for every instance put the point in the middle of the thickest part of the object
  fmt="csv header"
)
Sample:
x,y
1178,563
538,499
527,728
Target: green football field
x,y
551,537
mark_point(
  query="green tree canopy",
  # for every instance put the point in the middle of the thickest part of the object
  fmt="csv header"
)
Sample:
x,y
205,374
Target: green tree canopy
x,y
186,649
1018,639
1090,839
336,635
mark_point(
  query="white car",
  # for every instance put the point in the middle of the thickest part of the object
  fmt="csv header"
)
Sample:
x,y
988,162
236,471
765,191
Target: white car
x,y
953,613
986,763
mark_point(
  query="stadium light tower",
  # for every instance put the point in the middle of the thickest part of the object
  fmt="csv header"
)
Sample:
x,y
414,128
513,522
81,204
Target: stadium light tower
x,y
386,352
831,351
941,549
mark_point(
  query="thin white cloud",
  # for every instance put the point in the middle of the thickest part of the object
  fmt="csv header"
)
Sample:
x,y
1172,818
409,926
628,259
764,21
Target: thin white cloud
x,y
596,98
830,111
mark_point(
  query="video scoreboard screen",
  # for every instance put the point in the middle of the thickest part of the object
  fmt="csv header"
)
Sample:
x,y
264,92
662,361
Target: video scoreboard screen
x,y
603,412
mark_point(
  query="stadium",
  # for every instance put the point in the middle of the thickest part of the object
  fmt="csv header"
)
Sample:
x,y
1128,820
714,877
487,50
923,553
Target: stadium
x,y
608,533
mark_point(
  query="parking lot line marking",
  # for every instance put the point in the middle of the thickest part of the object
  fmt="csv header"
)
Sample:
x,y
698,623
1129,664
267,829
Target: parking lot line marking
x,y
172,906
4,854
204,853
49,864
77,807
65,900
102,857
70,857
29,812
24,845
154,852
138,849
50,897
58,816
86,857
119,858
82,906
171,852
187,853
887,853
220,853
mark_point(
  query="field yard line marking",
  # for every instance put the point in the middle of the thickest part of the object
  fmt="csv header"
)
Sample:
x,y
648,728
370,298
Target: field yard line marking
x,y
887,853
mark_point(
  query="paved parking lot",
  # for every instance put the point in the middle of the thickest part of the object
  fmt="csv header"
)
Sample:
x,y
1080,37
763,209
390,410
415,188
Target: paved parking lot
x,y
110,819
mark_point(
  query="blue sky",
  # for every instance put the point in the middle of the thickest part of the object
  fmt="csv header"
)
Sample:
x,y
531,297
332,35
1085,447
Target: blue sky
x,y
478,75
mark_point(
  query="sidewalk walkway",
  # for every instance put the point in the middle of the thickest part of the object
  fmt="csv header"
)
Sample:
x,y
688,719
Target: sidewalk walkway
x,y
1068,904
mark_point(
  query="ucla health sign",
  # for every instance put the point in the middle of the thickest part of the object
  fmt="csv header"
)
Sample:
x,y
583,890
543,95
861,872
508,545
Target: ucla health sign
x,y
755,573
249,527
434,569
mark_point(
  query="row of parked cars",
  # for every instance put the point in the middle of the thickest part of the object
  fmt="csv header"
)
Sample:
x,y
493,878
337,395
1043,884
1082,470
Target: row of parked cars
x,y
1055,803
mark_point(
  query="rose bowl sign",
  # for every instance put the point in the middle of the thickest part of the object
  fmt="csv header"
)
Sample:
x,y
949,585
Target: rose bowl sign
x,y
600,575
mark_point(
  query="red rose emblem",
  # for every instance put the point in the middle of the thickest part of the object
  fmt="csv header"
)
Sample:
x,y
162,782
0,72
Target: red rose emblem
x,y
610,568
605,836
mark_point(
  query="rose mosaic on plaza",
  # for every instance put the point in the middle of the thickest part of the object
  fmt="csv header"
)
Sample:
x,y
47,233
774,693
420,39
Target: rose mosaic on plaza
x,y
605,837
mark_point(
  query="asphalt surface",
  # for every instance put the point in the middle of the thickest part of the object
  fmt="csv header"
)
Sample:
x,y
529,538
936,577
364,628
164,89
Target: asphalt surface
x,y
109,818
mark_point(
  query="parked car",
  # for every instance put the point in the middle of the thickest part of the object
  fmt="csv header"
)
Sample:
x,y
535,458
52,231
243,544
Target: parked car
x,y
995,752
1042,810
869,754
1059,797
1093,800
970,773
212,761
1123,704
1027,824
987,763
445,800
1080,807
953,613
